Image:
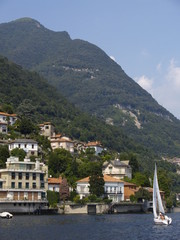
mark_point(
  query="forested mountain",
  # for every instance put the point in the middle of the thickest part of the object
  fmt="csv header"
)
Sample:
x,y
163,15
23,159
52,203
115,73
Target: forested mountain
x,y
31,96
93,82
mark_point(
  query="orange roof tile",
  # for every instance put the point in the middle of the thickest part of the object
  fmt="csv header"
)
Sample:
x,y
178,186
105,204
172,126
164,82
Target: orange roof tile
x,y
93,144
8,115
55,180
106,179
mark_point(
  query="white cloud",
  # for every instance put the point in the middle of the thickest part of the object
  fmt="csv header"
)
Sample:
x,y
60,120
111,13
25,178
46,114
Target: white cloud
x,y
145,82
173,75
158,67
164,86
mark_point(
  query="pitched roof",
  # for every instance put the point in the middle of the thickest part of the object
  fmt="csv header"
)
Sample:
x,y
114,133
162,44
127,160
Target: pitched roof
x,y
106,179
55,180
25,140
116,163
8,115
91,144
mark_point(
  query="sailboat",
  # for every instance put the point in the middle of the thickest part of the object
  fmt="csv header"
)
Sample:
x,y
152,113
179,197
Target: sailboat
x,y
158,209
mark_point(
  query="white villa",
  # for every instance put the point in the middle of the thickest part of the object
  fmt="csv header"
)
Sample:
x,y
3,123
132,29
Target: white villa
x,y
28,145
117,169
62,142
113,188
54,184
8,118
96,145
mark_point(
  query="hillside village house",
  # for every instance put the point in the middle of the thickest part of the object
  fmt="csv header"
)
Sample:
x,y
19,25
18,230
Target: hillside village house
x,y
117,169
25,180
54,184
3,128
113,188
46,129
62,142
30,146
8,118
96,145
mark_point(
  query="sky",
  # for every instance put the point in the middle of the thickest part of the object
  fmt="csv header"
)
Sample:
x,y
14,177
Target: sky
x,y
142,36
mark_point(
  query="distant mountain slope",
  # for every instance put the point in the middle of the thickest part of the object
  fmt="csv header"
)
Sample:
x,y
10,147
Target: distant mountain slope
x,y
30,94
84,74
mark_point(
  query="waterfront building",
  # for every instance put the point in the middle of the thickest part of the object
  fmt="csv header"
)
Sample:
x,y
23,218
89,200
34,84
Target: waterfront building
x,y
129,189
113,188
54,184
23,182
117,169
30,146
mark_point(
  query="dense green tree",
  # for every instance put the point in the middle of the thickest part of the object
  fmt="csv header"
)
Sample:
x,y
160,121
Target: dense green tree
x,y
142,194
141,179
4,154
58,161
26,126
96,181
20,153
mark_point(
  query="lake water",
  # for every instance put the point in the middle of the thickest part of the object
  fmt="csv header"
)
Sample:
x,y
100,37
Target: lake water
x,y
88,227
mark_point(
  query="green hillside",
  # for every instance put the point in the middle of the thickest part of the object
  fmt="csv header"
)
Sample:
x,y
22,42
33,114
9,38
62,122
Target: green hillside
x,y
30,95
88,78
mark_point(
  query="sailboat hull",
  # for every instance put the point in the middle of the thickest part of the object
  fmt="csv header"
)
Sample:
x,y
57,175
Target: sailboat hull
x,y
166,221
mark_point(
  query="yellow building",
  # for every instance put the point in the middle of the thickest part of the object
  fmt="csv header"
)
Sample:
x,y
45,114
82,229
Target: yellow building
x,y
23,181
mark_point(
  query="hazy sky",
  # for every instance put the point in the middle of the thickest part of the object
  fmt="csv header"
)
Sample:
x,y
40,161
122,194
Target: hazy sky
x,y
143,36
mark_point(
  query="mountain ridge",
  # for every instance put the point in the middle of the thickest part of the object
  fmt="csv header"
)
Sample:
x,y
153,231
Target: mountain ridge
x,y
93,82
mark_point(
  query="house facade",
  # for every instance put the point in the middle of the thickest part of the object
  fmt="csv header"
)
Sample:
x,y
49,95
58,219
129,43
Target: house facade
x,y
113,188
3,128
129,189
117,169
8,118
54,184
96,145
63,142
46,129
25,180
30,146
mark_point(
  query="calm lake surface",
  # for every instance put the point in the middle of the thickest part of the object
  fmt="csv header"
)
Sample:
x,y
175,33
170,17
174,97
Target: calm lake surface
x,y
88,227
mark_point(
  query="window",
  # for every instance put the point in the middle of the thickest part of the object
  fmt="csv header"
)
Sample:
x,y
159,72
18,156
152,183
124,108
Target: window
x,y
46,127
32,152
111,189
1,185
27,176
115,189
34,185
19,145
41,177
43,195
12,184
20,175
13,175
42,185
20,185
25,145
34,176
27,185
32,146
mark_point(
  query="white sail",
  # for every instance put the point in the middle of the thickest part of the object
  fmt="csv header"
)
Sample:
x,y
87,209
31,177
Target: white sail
x,y
157,202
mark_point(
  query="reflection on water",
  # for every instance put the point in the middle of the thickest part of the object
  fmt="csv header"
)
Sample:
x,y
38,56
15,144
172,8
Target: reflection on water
x,y
84,227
